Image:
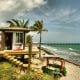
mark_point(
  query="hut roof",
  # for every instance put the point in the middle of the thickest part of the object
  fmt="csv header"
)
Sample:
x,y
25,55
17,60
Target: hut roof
x,y
14,29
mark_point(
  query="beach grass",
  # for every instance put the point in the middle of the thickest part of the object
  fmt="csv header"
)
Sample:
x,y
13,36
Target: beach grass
x,y
7,72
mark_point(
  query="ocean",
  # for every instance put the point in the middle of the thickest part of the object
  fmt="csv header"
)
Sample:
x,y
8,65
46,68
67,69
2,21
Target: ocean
x,y
68,51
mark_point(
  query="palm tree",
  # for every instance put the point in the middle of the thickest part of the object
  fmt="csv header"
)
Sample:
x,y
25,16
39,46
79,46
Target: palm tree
x,y
29,43
38,26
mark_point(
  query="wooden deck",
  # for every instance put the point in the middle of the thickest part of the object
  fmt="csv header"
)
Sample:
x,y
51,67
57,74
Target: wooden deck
x,y
17,52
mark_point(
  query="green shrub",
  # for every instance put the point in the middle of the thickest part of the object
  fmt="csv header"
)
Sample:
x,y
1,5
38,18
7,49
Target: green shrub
x,y
64,71
55,65
57,70
57,73
46,70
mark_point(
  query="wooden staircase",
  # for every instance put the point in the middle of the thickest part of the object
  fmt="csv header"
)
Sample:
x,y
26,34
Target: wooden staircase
x,y
16,62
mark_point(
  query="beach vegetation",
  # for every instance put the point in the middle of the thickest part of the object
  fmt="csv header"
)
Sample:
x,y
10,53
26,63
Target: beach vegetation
x,y
7,72
47,70
55,65
29,43
63,71
57,72
35,76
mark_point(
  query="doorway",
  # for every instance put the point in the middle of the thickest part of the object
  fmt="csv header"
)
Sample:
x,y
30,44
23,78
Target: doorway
x,y
8,40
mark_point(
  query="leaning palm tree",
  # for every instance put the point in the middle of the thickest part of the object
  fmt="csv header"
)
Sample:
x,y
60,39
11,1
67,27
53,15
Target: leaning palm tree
x,y
38,26
29,43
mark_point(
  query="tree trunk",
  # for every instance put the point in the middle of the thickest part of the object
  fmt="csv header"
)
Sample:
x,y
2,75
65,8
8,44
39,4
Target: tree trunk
x,y
22,57
24,41
30,51
40,46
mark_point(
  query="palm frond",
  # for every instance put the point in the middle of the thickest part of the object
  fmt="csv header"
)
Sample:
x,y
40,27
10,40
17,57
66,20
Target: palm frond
x,y
26,24
29,39
35,28
11,23
44,29
39,24
17,22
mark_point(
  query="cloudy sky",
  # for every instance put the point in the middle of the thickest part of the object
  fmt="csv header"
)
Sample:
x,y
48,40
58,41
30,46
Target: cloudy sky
x,y
61,17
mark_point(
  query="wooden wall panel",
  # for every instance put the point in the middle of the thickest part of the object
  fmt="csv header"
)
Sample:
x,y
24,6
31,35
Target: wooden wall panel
x,y
2,41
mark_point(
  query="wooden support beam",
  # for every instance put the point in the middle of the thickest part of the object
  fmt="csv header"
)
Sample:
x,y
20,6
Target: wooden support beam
x,y
24,40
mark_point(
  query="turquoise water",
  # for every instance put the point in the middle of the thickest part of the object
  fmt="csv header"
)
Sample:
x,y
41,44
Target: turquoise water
x,y
66,47
70,52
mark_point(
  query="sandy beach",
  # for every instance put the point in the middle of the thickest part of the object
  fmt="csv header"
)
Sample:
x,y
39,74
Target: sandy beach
x,y
73,71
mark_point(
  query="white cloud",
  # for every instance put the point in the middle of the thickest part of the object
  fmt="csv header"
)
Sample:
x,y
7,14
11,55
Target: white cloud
x,y
10,8
60,15
3,24
34,3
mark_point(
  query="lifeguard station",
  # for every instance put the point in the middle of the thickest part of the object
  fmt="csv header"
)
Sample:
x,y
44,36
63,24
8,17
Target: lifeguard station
x,y
12,37
12,43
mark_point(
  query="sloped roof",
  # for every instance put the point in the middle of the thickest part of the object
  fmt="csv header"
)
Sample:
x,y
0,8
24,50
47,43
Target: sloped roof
x,y
18,29
14,29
